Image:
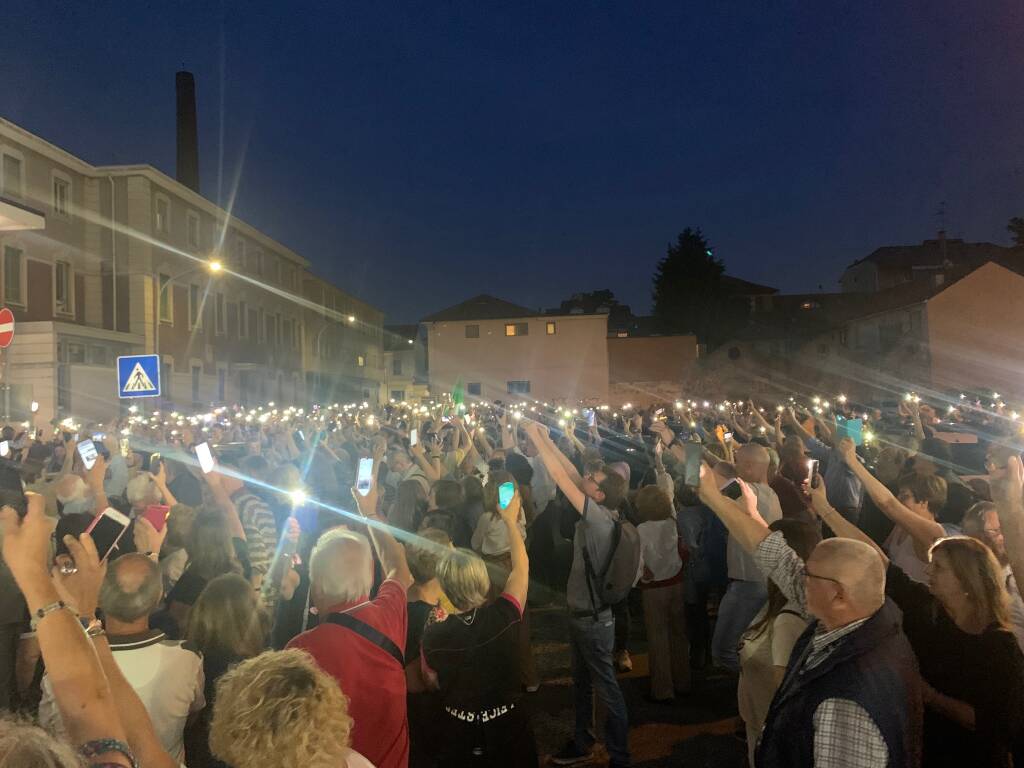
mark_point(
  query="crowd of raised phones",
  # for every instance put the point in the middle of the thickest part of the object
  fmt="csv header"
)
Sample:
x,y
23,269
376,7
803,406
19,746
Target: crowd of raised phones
x,y
350,585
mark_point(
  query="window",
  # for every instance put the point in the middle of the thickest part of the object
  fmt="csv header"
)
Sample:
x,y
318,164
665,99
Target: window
x,y
10,174
166,299
622,335
162,220
257,320
472,331
550,328
166,377
14,274
192,230
519,387
62,288
517,329
255,261
195,310
196,370
76,353
360,361
396,367
271,330
252,325
238,256
398,395
243,330
220,324
61,194
287,337
222,380
473,388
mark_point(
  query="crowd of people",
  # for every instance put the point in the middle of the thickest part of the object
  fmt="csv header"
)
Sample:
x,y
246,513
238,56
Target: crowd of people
x,y
349,585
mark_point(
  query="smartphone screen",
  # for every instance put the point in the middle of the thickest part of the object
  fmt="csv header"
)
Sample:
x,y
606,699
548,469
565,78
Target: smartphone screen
x,y
154,463
205,457
732,490
505,493
591,417
365,476
812,470
87,450
5,449
157,515
694,453
414,437
106,530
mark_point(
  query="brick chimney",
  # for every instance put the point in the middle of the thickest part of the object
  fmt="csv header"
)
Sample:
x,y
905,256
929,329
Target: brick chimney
x,y
187,132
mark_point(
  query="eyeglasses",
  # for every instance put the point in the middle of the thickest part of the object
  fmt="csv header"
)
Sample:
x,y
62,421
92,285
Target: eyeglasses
x,y
994,532
808,575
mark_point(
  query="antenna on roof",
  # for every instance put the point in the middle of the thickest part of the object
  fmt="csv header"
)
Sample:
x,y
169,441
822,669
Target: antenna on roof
x,y
941,215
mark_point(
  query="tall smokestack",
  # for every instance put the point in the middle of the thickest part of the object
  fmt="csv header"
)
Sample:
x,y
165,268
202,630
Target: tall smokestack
x,y
188,135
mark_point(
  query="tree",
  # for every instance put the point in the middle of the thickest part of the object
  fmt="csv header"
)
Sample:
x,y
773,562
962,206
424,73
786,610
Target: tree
x,y
1016,228
689,296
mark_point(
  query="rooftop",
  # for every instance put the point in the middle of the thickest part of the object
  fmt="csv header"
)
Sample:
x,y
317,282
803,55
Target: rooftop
x,y
934,253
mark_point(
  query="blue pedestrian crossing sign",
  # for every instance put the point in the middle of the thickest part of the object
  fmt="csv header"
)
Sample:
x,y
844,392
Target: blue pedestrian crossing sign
x,y
138,376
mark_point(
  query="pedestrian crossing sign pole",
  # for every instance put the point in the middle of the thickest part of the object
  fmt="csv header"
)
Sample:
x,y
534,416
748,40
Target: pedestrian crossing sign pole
x,y
138,376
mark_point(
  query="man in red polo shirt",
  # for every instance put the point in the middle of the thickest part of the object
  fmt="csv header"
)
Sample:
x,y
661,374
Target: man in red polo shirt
x,y
361,642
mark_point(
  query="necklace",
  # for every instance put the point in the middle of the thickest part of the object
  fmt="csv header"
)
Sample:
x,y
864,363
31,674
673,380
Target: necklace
x,y
467,619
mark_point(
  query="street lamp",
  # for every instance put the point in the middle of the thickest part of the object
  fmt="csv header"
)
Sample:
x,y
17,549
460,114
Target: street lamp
x,y
213,266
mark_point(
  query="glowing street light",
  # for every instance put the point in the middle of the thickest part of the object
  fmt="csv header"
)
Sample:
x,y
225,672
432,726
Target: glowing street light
x,y
214,265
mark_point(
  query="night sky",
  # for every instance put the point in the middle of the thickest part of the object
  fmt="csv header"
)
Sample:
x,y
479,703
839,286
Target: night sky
x,y
535,150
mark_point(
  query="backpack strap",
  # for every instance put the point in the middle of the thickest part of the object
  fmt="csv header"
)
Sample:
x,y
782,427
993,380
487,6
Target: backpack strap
x,y
364,630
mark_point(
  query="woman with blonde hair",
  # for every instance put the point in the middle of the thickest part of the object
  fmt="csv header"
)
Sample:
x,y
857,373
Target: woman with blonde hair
x,y
280,710
226,625
972,671
471,657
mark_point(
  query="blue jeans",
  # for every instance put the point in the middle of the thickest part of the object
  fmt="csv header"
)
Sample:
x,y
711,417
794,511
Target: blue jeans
x,y
739,606
592,644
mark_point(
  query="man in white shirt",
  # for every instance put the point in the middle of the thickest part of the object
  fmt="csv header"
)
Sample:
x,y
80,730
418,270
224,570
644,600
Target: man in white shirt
x,y
167,675
748,590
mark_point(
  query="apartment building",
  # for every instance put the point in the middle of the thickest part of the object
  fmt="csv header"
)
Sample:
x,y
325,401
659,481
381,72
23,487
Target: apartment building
x,y
499,350
129,261
405,365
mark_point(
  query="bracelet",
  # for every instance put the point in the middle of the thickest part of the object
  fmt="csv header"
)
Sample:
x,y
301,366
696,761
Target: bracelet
x,y
102,746
46,610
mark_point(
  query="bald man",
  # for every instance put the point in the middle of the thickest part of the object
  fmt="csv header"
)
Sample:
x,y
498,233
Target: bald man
x,y
851,695
166,674
748,590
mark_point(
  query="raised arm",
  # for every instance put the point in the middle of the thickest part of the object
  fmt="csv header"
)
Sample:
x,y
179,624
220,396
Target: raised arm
x,y
160,478
390,552
840,526
923,531
432,472
518,580
549,454
94,479
739,516
80,688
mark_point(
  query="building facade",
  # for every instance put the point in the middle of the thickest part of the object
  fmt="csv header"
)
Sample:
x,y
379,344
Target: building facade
x,y
127,263
500,351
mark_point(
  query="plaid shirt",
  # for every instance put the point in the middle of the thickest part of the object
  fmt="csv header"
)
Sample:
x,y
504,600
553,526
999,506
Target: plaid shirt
x,y
845,736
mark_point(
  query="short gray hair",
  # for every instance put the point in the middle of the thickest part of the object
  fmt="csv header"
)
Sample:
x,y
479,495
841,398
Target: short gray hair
x,y
70,488
142,487
338,575
131,602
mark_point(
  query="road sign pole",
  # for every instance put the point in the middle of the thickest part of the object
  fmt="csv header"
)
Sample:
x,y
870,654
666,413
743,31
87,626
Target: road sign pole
x,y
4,385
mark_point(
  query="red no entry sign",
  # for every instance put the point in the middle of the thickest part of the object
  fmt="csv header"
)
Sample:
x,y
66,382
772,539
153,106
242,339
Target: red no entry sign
x,y
6,328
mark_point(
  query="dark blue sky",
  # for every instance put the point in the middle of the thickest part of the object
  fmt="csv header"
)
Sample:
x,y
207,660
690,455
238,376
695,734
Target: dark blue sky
x,y
419,153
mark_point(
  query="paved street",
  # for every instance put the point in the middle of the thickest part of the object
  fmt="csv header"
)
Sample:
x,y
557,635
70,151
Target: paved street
x,y
698,731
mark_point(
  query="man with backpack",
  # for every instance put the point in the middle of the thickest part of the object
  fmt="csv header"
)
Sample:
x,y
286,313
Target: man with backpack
x,y
605,566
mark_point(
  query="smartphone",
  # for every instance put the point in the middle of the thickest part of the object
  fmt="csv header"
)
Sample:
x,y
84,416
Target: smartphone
x,y
414,437
733,489
154,463
505,493
205,456
106,530
694,453
34,407
591,416
99,437
365,476
5,449
727,437
87,450
812,470
157,515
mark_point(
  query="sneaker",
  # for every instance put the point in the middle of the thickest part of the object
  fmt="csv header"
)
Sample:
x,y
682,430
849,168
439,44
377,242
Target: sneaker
x,y
570,754
622,662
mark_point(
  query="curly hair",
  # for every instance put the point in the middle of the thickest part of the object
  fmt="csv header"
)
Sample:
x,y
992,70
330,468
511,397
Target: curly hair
x,y
25,745
280,710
